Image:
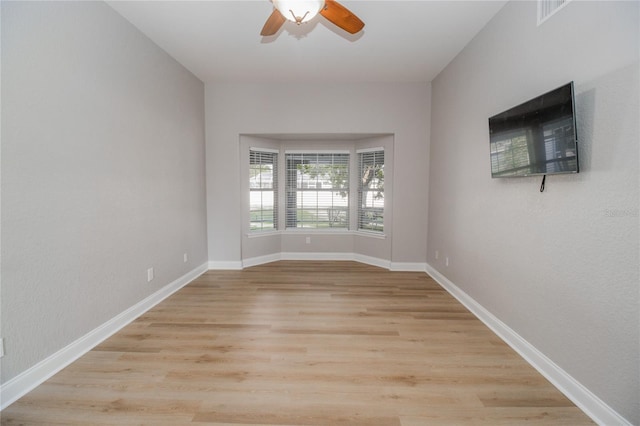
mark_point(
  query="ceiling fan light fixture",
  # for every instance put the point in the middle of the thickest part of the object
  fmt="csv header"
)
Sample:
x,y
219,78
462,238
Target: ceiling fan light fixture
x,y
299,11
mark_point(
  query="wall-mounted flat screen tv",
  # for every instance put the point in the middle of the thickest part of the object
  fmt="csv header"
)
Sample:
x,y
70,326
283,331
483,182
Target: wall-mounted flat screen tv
x,y
537,137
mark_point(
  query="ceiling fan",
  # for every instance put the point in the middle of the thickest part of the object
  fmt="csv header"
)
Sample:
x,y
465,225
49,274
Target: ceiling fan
x,y
300,11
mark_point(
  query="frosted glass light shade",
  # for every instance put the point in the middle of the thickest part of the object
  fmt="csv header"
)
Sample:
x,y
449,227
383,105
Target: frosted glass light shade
x,y
299,11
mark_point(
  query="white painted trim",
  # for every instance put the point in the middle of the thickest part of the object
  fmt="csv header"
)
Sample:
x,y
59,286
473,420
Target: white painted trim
x,y
374,261
232,265
314,231
269,150
259,234
408,266
365,150
253,261
29,379
316,256
310,231
593,406
317,151
260,260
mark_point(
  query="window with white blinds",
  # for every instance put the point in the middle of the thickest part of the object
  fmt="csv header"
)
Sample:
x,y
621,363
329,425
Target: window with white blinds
x,y
317,190
371,191
263,190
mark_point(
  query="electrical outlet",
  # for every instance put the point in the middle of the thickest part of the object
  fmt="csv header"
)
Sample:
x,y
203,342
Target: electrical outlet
x,y
185,258
437,254
149,274
1,347
308,240
446,261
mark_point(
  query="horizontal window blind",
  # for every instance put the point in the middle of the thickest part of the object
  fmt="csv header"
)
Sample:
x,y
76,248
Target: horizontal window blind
x,y
371,191
263,190
317,188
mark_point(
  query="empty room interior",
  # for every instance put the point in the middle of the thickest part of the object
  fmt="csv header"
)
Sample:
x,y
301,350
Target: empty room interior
x,y
213,214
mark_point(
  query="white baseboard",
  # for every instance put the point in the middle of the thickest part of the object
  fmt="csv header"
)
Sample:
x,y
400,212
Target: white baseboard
x,y
374,261
261,260
592,406
408,267
317,256
225,265
29,379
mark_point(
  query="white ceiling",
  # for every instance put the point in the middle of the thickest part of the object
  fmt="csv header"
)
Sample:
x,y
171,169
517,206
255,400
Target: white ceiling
x,y
219,41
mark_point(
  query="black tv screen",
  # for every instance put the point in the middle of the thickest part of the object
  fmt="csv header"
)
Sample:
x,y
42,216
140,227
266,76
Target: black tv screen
x,y
537,137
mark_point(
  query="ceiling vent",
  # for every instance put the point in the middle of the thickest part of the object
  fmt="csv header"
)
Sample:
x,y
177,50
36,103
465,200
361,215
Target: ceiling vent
x,y
547,8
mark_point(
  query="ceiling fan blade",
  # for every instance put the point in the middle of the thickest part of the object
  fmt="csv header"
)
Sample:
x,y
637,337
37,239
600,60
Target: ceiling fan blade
x,y
273,24
341,16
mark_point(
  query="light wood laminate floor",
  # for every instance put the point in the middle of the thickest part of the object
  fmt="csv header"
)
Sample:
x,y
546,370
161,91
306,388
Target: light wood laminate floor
x,y
301,343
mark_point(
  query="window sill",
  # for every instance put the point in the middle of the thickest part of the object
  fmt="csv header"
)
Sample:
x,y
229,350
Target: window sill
x,y
360,233
370,234
257,234
293,231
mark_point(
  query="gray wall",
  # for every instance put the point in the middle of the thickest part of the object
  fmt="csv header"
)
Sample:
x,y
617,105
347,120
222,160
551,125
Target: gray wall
x,y
400,109
560,267
103,173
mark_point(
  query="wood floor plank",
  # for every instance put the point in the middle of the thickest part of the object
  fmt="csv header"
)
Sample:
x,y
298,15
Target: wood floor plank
x,y
301,343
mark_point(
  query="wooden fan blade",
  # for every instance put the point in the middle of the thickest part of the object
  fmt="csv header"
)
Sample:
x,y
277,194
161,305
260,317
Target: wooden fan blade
x,y
273,24
341,16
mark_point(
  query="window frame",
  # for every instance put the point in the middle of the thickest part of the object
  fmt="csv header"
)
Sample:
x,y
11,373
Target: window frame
x,y
274,188
294,187
376,157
